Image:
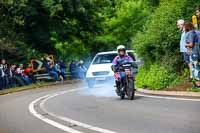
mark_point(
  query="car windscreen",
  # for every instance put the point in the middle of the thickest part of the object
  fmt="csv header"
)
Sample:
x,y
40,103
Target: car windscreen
x,y
104,58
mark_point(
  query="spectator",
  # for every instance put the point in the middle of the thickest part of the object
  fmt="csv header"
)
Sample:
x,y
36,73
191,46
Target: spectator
x,y
15,77
12,80
20,73
57,68
1,78
198,17
4,68
73,69
191,39
63,66
82,70
29,72
183,49
50,70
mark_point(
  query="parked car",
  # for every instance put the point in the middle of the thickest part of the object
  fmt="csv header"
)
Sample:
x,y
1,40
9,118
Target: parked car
x,y
100,67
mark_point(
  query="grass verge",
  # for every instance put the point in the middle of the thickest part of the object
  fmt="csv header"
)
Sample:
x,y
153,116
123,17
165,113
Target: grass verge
x,y
194,90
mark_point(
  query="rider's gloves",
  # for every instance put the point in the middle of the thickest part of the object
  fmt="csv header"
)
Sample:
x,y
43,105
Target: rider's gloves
x,y
114,68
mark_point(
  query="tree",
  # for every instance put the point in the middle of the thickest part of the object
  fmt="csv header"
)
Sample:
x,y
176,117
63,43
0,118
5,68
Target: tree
x,y
129,18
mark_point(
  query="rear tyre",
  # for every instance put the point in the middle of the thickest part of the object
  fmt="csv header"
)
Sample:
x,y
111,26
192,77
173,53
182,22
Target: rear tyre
x,y
130,89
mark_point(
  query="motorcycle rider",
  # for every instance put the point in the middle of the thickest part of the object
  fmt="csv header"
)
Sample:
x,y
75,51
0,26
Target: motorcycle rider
x,y
117,63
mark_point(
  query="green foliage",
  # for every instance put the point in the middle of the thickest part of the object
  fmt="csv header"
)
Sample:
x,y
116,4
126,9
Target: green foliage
x,y
74,29
193,89
155,77
32,24
160,36
158,43
153,2
129,18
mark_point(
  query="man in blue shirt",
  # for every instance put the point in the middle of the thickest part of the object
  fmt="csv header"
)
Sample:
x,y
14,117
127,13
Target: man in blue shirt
x,y
183,49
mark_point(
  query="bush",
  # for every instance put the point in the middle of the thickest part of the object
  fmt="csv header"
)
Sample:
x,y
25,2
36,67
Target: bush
x,y
161,36
155,77
158,44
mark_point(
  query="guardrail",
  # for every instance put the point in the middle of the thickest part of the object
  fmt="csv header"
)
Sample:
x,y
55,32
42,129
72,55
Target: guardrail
x,y
48,77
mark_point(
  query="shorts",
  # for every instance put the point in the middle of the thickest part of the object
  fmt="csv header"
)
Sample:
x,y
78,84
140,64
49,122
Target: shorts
x,y
186,57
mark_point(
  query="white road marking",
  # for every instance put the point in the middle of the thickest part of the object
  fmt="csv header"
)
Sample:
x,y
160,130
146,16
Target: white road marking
x,y
169,98
58,125
86,126
51,122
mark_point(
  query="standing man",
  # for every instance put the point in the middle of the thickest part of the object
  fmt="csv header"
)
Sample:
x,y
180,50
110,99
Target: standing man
x,y
183,49
196,19
4,67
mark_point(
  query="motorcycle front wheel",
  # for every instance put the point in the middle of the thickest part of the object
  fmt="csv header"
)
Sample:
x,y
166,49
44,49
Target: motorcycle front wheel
x,y
130,88
122,96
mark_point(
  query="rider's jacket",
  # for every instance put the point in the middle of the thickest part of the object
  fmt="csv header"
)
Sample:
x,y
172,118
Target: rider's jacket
x,y
118,60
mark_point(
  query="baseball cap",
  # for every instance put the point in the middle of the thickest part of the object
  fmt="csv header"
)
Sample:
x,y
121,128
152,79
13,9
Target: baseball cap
x,y
180,21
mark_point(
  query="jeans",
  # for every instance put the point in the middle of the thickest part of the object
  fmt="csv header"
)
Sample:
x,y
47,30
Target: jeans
x,y
122,75
54,75
26,80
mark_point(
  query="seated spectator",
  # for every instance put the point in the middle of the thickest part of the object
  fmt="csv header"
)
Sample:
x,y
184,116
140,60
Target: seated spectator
x,y
73,69
20,73
28,71
61,74
63,66
50,70
12,80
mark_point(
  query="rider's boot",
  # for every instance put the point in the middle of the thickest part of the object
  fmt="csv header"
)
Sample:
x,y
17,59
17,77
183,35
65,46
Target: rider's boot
x,y
118,88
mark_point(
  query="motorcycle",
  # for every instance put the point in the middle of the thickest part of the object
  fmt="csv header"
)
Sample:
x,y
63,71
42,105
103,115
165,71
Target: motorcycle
x,y
127,84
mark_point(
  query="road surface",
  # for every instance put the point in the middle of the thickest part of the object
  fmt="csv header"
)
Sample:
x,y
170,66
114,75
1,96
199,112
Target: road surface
x,y
74,108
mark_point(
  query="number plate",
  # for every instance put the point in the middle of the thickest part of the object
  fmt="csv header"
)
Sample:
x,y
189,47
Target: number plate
x,y
101,78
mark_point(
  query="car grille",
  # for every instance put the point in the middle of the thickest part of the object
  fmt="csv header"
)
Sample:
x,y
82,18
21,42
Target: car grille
x,y
100,73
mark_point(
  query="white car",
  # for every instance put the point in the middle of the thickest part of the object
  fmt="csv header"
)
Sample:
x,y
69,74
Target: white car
x,y
100,67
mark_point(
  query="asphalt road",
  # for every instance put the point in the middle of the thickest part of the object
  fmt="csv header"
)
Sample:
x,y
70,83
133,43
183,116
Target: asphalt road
x,y
98,108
